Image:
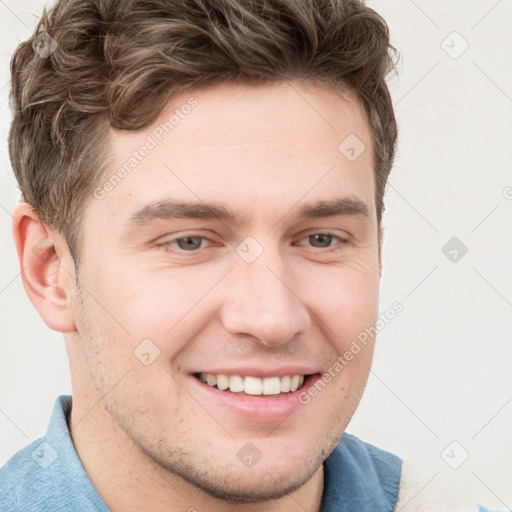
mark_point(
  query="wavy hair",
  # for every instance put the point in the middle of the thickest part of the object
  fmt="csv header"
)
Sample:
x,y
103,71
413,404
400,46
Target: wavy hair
x,y
92,65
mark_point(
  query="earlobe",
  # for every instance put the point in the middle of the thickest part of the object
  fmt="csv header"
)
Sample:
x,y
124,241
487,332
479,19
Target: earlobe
x,y
47,269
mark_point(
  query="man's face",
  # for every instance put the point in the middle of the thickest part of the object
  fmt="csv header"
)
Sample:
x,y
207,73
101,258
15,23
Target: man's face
x,y
279,290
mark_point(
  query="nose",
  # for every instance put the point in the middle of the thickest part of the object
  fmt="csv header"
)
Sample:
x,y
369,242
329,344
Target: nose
x,y
261,302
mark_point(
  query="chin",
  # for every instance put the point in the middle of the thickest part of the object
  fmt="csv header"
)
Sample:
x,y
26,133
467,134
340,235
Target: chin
x,y
254,485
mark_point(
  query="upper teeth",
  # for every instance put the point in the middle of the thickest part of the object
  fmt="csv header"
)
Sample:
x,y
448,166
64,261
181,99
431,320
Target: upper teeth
x,y
254,385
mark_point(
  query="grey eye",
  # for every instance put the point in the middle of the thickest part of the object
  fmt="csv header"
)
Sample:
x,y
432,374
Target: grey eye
x,y
189,243
320,240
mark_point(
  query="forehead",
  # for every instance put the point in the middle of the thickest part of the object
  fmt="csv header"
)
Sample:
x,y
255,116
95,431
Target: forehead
x,y
237,144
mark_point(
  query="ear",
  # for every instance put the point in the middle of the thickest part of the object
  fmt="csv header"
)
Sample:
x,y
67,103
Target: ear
x,y
47,268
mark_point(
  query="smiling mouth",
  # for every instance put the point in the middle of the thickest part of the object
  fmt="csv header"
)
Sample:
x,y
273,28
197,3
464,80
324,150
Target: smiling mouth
x,y
254,386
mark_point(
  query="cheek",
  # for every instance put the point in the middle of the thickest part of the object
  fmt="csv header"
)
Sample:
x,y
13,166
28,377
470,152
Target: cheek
x,y
147,303
125,361
165,305
345,299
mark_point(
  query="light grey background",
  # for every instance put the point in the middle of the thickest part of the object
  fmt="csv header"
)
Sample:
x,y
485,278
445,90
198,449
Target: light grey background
x,y
442,371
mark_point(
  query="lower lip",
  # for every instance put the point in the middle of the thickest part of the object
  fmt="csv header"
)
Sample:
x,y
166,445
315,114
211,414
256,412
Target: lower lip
x,y
260,408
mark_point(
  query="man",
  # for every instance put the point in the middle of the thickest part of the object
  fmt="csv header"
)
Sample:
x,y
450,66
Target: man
x,y
202,192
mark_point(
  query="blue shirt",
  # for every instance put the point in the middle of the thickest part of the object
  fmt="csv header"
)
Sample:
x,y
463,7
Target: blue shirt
x,y
47,475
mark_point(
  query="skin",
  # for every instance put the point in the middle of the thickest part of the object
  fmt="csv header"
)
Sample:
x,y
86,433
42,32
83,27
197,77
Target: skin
x,y
146,438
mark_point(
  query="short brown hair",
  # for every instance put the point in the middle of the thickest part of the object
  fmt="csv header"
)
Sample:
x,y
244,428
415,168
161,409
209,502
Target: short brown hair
x,y
116,63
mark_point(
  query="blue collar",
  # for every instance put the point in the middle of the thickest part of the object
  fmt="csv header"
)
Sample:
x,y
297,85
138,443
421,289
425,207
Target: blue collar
x,y
360,477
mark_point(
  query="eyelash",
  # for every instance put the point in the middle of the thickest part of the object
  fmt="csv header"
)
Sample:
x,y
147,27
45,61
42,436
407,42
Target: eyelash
x,y
331,248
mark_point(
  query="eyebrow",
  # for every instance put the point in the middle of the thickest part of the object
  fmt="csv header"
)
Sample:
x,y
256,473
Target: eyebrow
x,y
173,209
342,206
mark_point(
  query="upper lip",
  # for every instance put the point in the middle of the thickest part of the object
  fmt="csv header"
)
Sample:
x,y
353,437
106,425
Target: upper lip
x,y
262,373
